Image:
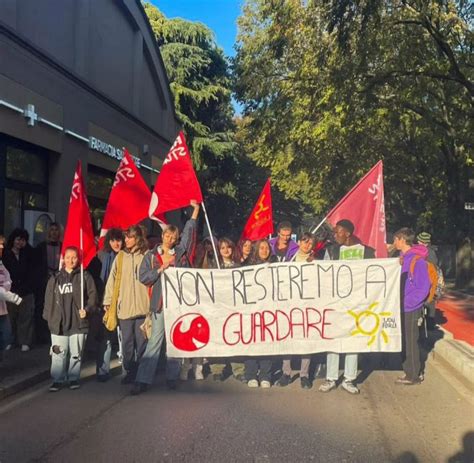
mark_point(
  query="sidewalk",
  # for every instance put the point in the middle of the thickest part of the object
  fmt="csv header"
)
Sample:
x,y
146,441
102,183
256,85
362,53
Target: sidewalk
x,y
21,370
455,349
458,310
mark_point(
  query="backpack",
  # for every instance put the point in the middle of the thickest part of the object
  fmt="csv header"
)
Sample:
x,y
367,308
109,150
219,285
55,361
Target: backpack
x,y
435,274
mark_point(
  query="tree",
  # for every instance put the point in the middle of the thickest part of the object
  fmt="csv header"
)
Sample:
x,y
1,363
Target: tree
x,y
331,87
201,84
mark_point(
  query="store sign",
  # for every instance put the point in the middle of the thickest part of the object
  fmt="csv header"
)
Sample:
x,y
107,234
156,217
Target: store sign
x,y
109,150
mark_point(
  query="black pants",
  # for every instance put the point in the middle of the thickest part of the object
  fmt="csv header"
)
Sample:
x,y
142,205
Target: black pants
x,y
133,344
252,365
411,351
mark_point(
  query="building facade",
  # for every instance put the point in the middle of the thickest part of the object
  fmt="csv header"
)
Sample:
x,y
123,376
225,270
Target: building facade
x,y
79,80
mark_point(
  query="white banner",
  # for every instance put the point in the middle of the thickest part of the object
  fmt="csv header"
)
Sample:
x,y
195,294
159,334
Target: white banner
x,y
283,308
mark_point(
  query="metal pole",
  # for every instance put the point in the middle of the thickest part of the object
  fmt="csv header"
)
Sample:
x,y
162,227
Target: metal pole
x,y
319,226
210,235
82,268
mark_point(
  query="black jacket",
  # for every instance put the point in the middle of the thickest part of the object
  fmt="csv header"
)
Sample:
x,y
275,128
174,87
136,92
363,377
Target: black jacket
x,y
22,270
53,311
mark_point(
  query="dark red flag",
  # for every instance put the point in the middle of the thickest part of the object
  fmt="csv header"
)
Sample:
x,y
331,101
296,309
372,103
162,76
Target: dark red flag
x,y
364,206
260,223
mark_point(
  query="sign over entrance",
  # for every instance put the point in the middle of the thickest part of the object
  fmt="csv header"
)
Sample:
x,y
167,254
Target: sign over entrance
x,y
284,308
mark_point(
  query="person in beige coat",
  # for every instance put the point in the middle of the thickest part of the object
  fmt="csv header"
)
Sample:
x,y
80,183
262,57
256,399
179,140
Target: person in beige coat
x,y
133,301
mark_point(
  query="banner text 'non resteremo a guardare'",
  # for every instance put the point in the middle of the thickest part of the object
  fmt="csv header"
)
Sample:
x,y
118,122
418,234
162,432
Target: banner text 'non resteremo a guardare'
x,y
284,308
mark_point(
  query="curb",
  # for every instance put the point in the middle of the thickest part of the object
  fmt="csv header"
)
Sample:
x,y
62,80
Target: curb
x,y
457,355
24,384
87,374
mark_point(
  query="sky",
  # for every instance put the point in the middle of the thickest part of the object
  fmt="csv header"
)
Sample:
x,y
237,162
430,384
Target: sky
x,y
219,15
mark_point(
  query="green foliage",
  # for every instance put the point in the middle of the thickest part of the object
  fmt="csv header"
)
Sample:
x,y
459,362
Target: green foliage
x,y
201,85
331,87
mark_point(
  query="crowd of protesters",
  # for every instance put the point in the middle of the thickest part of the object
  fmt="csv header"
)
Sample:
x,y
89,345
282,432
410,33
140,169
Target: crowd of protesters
x,y
123,288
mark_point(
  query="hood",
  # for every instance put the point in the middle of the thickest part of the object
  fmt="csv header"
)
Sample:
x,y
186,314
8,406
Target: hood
x,y
419,250
415,250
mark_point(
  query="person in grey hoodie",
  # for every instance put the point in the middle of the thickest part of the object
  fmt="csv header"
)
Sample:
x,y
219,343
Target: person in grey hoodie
x,y
168,254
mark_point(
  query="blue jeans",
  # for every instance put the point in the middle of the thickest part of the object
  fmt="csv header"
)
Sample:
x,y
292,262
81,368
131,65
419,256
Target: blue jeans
x,y
332,367
149,361
66,357
104,352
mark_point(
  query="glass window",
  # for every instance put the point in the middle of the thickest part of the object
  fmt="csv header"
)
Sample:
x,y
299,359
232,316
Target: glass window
x,y
99,185
97,208
26,166
35,201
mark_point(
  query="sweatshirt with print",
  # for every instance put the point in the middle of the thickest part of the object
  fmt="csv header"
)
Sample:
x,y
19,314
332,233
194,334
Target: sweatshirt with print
x,y
62,302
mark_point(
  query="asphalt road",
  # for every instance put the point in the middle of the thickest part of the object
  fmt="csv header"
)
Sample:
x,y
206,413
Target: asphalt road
x,y
227,422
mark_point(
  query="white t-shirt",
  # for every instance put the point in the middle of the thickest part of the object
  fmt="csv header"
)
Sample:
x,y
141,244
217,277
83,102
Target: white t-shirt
x,y
354,252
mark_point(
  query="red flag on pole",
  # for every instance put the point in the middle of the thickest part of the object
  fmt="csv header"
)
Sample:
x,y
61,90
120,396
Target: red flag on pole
x,y
177,183
128,200
364,206
79,220
260,223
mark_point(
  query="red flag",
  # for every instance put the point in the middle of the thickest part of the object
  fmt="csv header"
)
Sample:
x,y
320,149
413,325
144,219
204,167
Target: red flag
x,y
78,218
260,223
364,206
128,200
177,183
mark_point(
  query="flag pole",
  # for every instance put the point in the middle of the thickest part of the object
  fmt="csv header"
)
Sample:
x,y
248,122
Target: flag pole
x,y
210,235
319,226
82,267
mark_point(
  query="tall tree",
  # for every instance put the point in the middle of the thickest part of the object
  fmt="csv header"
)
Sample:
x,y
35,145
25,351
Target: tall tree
x,y
331,87
201,84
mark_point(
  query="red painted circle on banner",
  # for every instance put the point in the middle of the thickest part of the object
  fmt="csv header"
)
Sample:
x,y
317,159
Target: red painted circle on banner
x,y
190,332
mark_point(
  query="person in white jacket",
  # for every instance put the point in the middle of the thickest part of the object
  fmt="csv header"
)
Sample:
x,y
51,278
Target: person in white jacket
x,y
5,296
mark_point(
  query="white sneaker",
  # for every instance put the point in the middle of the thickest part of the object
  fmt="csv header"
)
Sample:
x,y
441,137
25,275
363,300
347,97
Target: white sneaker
x,y
265,384
25,348
327,386
252,383
9,347
350,387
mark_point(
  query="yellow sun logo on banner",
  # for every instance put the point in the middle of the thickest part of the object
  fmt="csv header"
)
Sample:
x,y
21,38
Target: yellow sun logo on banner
x,y
370,328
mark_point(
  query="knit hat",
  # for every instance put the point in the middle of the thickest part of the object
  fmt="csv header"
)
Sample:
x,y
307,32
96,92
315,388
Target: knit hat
x,y
423,238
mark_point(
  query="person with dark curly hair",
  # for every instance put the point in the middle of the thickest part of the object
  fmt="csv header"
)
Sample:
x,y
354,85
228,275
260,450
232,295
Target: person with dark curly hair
x,y
113,244
124,289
